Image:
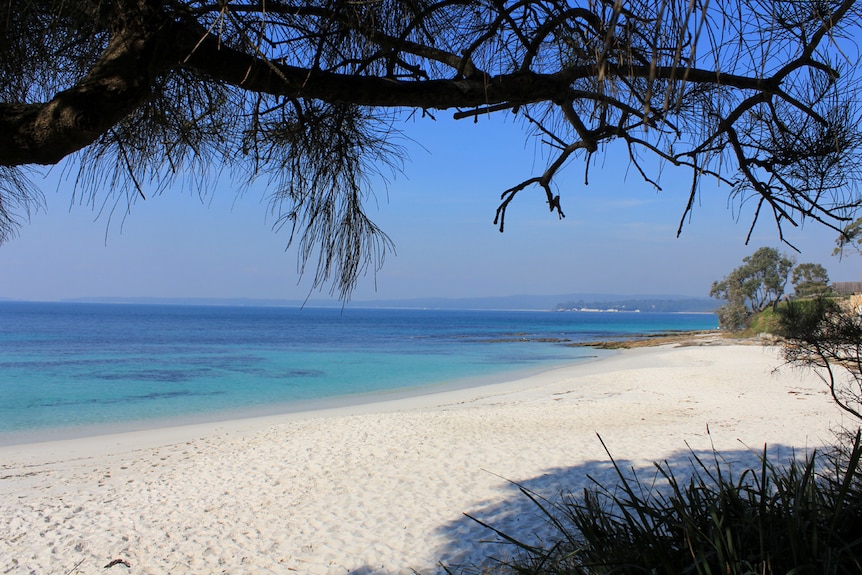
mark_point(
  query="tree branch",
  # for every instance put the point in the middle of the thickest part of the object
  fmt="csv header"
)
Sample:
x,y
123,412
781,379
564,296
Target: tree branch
x,y
116,85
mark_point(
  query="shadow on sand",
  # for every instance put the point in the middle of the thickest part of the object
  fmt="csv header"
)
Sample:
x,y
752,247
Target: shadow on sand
x,y
472,546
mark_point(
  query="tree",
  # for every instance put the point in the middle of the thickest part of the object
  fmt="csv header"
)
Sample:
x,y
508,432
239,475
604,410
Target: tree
x,y
809,280
756,284
735,313
850,238
146,94
825,335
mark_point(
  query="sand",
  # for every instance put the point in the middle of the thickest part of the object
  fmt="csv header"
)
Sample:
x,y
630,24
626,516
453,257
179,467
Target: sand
x,y
383,487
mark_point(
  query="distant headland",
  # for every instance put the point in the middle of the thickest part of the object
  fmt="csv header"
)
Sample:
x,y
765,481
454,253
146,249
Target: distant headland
x,y
564,302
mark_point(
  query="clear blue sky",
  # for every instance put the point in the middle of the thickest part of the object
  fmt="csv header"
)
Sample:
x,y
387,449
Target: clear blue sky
x,y
619,235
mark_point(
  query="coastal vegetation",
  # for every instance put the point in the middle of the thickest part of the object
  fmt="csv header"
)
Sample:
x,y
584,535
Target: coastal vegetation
x,y
822,332
707,519
825,335
760,282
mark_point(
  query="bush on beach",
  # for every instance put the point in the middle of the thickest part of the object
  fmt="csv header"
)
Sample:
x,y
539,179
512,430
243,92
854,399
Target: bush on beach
x,y
802,517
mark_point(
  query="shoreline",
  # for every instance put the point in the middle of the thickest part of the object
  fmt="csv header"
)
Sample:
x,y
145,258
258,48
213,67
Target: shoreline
x,y
341,404
110,440
382,487
605,349
168,376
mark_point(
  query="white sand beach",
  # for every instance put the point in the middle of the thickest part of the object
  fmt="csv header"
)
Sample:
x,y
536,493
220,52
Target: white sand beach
x,y
383,488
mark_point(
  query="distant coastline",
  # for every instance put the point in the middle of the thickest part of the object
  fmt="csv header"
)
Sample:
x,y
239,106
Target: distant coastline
x,y
640,305
597,302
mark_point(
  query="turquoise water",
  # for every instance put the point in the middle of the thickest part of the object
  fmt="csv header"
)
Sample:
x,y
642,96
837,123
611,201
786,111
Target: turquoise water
x,y
75,366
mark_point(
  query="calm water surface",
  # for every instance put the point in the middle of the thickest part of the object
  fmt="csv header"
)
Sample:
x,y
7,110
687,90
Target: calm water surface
x,y
74,366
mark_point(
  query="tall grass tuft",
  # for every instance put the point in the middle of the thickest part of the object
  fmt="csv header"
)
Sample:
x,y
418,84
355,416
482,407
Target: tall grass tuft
x,y
803,517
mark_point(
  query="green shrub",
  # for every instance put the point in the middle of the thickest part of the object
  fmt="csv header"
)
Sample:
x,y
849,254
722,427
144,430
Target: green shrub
x,y
801,518
825,335
767,321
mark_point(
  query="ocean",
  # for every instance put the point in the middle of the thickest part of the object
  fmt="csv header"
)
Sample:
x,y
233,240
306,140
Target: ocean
x,y
77,369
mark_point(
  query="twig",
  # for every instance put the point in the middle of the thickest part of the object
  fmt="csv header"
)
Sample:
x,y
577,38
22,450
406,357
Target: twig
x,y
73,569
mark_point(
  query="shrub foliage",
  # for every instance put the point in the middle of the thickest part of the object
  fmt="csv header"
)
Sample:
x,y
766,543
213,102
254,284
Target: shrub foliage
x,y
825,335
803,517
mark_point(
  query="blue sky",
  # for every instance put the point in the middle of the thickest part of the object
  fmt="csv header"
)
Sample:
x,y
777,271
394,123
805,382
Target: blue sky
x,y
619,235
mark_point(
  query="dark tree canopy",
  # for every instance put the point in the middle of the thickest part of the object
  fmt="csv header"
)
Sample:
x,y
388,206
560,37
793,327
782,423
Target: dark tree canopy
x,y
809,280
825,335
752,287
757,94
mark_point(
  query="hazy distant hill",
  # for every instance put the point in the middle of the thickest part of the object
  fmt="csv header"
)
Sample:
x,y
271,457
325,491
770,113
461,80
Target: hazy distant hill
x,y
644,303
662,303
